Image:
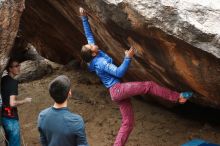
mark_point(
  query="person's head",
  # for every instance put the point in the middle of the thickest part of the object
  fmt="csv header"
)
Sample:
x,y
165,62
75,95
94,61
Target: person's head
x,y
89,51
59,89
13,67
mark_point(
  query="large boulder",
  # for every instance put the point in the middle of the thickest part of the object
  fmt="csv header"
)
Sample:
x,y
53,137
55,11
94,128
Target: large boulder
x,y
177,40
32,70
10,12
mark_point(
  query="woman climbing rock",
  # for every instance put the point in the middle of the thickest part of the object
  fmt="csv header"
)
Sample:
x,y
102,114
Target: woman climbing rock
x,y
99,62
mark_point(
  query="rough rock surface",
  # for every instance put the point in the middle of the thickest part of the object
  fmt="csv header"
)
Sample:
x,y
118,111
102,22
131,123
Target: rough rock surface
x,y
32,70
10,12
177,41
195,22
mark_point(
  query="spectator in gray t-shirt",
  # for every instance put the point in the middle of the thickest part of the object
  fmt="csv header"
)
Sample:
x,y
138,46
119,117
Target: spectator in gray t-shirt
x,y
57,125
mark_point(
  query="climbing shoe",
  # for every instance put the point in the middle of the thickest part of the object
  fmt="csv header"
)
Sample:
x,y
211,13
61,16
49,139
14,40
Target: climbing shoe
x,y
186,95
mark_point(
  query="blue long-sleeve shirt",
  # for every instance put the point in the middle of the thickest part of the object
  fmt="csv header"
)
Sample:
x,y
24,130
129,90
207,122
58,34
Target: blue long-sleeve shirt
x,y
102,64
59,127
87,30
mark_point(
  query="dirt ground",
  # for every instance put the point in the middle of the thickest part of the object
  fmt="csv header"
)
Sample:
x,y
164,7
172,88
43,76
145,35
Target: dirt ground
x,y
154,124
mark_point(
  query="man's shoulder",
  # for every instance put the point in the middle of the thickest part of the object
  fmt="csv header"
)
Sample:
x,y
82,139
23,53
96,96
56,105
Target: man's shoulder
x,y
8,79
44,112
74,121
72,116
5,77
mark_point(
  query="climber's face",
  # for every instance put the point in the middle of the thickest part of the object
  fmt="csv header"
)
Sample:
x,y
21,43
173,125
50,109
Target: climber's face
x,y
93,48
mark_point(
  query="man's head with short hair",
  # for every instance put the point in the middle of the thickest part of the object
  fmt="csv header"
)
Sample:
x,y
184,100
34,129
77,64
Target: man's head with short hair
x,y
13,66
59,89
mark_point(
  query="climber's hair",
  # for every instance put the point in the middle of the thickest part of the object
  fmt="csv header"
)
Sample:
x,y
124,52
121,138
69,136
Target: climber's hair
x,y
10,63
59,88
86,54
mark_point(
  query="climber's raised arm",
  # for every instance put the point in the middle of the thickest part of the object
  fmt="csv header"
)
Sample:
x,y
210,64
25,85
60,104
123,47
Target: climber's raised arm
x,y
86,26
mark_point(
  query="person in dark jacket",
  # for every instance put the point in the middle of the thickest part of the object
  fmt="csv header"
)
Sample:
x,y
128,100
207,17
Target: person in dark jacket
x,y
102,64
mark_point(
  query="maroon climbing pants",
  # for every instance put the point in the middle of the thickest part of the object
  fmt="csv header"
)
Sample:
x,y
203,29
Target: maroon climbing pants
x,y
121,93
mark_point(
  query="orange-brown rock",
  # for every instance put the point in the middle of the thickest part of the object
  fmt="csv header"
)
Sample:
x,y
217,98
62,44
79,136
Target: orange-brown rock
x,y
172,50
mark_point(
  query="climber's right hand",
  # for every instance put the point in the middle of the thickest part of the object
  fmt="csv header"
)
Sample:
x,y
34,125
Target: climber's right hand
x,y
130,53
82,12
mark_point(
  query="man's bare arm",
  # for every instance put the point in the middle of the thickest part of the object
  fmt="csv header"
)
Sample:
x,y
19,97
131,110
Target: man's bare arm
x,y
14,102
